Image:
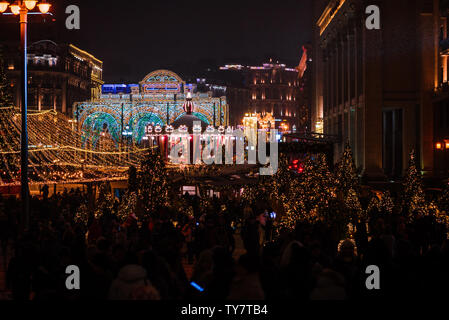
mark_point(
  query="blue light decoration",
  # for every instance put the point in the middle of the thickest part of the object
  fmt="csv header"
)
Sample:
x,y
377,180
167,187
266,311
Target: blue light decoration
x,y
158,97
196,286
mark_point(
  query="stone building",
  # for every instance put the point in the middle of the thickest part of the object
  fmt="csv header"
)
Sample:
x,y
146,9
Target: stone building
x,y
58,75
376,88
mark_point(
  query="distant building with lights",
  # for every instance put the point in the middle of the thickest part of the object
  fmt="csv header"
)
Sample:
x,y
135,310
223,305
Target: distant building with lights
x,y
58,75
158,100
273,89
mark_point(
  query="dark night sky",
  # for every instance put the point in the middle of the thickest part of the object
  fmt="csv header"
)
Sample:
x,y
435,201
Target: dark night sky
x,y
139,36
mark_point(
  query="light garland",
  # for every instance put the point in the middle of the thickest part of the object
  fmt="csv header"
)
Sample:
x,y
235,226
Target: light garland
x,y
56,153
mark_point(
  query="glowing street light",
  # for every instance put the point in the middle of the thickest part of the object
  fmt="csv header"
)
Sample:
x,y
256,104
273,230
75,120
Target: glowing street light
x,y
44,7
3,6
21,8
30,4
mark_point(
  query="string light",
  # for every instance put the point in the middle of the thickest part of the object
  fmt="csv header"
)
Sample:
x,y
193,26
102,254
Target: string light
x,y
57,152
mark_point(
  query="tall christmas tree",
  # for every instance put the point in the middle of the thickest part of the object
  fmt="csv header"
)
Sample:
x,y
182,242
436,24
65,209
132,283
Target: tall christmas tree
x,y
128,205
153,183
346,178
105,201
282,179
317,185
283,200
414,201
347,184
309,194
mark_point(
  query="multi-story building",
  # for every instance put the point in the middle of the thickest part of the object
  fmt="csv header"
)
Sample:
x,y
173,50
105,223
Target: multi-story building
x,y
375,88
441,98
273,89
58,75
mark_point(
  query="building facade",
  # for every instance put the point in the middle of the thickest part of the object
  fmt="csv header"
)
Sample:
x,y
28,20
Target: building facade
x,y
58,75
375,88
273,89
441,97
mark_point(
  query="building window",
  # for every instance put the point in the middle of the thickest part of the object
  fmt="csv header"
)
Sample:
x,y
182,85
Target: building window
x,y
392,142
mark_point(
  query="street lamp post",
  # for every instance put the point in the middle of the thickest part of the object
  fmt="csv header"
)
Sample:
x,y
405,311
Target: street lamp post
x,y
22,8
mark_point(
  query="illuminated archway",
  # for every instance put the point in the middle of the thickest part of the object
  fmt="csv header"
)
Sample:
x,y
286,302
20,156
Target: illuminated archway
x,y
139,121
162,81
99,122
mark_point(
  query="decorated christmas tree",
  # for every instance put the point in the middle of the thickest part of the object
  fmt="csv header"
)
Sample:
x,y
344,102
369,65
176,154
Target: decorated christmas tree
x,y
414,201
127,206
105,201
153,183
82,215
386,203
373,208
308,194
346,178
282,184
293,204
348,186
282,179
317,185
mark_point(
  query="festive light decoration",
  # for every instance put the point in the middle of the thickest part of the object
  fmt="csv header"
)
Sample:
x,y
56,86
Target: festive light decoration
x,y
373,206
6,99
443,201
307,196
162,102
105,201
57,153
82,215
414,202
153,180
386,204
127,206
346,178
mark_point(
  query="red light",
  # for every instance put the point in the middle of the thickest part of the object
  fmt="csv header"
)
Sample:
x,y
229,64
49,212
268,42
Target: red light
x,y
295,161
300,170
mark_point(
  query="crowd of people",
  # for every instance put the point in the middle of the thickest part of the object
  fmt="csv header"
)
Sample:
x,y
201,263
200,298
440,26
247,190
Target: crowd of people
x,y
232,248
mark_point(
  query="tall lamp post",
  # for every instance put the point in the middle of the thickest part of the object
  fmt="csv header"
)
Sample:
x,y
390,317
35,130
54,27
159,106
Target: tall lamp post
x,y
21,8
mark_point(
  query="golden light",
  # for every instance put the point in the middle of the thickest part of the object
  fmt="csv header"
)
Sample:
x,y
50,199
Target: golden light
x,y
438,146
15,8
30,4
3,6
44,7
447,144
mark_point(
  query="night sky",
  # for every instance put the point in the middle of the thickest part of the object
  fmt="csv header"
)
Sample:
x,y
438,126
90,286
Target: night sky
x,y
138,36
